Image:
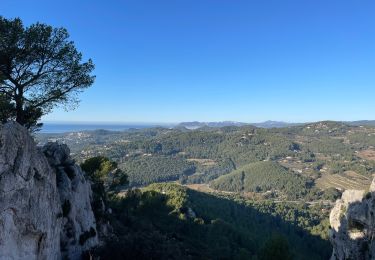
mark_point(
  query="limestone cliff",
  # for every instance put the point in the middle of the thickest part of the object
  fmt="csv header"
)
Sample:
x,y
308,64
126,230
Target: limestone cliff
x,y
353,225
45,210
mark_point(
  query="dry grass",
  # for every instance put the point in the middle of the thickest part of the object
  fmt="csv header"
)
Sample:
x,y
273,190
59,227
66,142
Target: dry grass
x,y
204,162
345,181
200,187
205,188
367,154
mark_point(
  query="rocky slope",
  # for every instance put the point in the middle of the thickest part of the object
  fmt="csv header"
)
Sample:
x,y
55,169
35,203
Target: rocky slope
x,y
353,225
45,210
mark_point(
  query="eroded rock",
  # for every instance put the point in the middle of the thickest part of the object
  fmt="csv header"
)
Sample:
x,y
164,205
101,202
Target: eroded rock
x,y
45,210
353,224
78,232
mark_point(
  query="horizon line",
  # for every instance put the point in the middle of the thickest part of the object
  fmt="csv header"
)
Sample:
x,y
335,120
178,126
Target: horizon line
x,y
193,121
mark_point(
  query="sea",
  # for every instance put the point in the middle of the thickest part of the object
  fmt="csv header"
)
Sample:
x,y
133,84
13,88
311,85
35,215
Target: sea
x,y
59,128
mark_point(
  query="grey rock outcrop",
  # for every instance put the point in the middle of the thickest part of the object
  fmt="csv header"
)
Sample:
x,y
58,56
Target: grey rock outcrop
x,y
78,232
45,210
352,223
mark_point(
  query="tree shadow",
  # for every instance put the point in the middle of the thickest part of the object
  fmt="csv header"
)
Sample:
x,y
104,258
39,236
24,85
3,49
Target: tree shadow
x,y
172,222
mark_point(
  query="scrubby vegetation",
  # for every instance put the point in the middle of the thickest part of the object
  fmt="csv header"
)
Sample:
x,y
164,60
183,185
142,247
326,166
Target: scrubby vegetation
x,y
168,221
104,171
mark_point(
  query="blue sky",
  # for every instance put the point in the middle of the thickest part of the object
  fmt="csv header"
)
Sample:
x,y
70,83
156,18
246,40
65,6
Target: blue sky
x,y
214,60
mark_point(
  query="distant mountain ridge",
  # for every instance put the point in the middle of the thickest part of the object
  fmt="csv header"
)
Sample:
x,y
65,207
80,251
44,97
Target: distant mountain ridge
x,y
197,124
267,124
361,123
274,124
55,128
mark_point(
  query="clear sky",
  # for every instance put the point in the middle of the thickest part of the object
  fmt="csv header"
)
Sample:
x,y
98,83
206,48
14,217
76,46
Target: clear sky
x,y
214,60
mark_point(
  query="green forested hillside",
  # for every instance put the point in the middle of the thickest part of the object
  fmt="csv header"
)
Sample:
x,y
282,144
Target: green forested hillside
x,y
262,177
312,155
168,221
255,190
141,170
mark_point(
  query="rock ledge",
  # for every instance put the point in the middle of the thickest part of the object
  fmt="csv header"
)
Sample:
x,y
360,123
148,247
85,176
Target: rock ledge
x,y
45,201
352,223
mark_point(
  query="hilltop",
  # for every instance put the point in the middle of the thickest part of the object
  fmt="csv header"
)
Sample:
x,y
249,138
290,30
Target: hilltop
x,y
263,177
265,124
327,155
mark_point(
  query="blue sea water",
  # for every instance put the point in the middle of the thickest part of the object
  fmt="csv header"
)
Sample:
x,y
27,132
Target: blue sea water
x,y
58,128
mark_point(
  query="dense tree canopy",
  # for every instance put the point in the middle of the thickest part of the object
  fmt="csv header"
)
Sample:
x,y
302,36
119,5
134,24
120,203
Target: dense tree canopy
x,y
307,159
40,68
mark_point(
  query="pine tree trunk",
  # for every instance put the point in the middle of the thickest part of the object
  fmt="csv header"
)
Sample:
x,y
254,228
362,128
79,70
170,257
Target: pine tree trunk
x,y
19,107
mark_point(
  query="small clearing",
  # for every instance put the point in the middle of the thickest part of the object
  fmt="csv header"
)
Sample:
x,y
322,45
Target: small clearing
x,y
347,180
203,162
368,154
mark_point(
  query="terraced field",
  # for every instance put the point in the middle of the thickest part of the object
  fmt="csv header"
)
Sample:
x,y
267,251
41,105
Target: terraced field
x,y
347,180
368,154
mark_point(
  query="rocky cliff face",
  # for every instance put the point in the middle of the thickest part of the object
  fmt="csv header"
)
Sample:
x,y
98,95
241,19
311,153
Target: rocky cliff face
x,y
353,225
45,210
